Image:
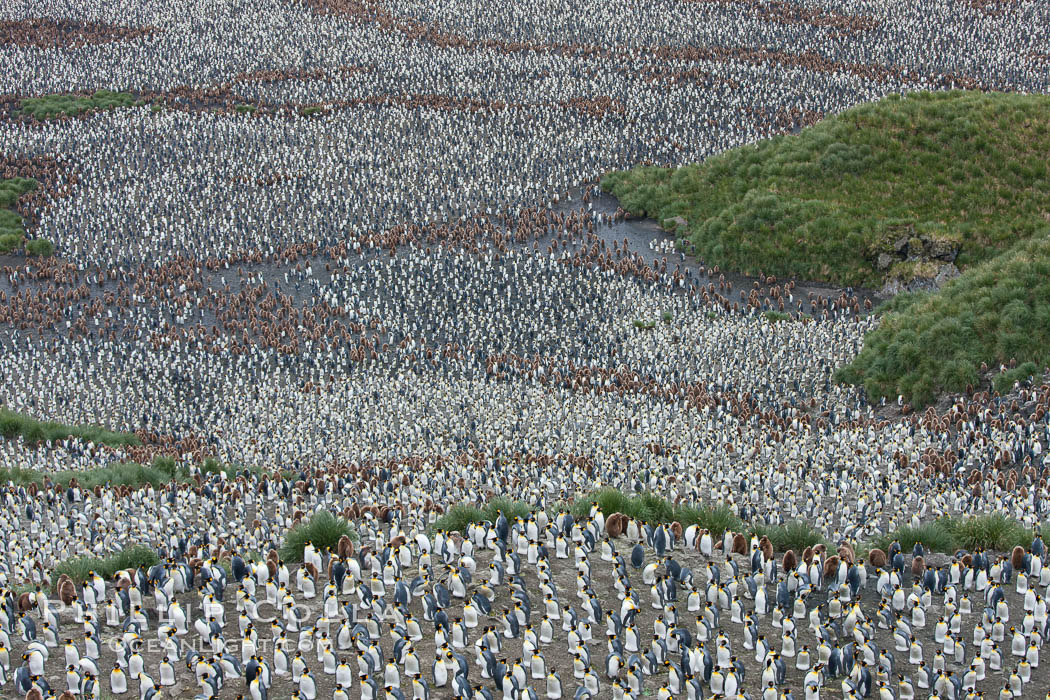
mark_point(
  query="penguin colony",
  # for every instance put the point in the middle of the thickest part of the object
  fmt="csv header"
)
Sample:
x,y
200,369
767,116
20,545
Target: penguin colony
x,y
417,298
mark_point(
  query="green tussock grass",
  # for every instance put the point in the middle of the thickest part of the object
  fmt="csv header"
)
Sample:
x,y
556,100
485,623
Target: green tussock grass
x,y
796,535
162,471
610,500
12,228
40,246
647,507
929,343
322,530
511,509
717,519
650,508
51,106
21,476
948,535
964,168
211,466
10,242
933,536
1024,372
995,531
459,516
128,474
14,187
33,431
79,568
776,316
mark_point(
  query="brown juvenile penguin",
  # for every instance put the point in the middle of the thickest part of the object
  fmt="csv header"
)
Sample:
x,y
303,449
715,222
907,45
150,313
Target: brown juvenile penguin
x,y
1017,557
918,566
877,558
767,548
831,566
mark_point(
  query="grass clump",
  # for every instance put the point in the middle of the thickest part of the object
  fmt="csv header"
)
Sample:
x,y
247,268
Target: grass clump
x,y
609,501
62,105
32,431
322,530
644,325
459,516
929,343
20,476
1023,372
10,242
934,536
40,247
211,467
994,531
776,316
962,170
162,471
14,187
165,465
246,109
650,508
12,228
79,568
126,474
796,535
717,519
510,509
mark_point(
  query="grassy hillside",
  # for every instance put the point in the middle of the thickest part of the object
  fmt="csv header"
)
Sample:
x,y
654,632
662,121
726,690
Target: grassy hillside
x,y
861,196
929,343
